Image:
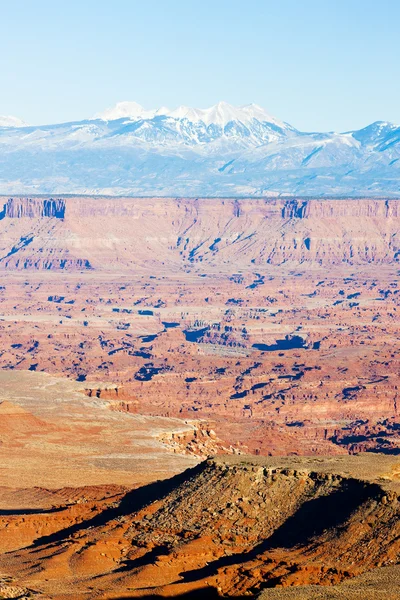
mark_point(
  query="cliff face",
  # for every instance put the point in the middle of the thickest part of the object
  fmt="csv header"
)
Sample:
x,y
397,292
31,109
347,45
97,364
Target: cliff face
x,y
33,208
76,233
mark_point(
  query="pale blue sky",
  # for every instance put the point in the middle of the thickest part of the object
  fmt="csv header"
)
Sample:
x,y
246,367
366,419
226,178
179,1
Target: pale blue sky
x,y
318,64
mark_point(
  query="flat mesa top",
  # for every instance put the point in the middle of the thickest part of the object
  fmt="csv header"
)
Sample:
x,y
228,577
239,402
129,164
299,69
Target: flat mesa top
x,y
373,468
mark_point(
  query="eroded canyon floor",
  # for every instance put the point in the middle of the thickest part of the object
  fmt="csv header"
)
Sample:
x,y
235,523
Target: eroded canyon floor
x,y
273,362
140,336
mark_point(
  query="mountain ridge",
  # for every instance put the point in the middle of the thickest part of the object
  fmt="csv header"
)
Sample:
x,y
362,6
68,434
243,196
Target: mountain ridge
x,y
220,151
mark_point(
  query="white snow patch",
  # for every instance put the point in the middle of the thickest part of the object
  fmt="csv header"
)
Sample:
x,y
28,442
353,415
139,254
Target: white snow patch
x,y
8,121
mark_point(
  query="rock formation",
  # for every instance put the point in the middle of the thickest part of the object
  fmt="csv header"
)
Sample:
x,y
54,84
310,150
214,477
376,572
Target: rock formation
x,y
233,525
95,233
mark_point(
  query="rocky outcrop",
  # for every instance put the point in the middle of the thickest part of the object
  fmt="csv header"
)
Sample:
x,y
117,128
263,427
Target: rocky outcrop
x,y
230,525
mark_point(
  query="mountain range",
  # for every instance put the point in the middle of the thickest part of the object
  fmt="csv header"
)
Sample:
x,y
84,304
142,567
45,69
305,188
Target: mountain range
x,y
219,151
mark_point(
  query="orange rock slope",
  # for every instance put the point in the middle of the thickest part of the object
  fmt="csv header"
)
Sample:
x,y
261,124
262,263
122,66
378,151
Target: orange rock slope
x,y
232,526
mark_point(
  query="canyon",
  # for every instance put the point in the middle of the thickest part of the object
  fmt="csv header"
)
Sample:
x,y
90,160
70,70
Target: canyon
x,y
140,337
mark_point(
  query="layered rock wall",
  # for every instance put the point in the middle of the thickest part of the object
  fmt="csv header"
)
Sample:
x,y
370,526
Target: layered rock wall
x,y
178,232
33,208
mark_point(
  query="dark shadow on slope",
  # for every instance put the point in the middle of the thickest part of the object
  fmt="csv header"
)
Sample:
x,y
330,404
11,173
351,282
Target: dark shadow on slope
x,y
147,559
24,241
207,593
15,512
311,519
131,503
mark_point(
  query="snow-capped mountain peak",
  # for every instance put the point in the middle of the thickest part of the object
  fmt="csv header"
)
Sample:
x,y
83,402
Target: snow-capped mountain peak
x,y
224,113
122,110
8,121
220,114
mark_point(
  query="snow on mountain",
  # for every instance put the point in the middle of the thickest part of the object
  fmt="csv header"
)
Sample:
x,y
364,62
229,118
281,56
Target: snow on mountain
x,y
223,150
11,122
223,113
125,110
220,114
377,133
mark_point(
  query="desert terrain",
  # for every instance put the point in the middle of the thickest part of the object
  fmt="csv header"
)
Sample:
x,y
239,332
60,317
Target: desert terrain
x,y
233,527
140,336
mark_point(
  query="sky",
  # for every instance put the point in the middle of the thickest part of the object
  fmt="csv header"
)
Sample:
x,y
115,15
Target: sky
x,y
320,65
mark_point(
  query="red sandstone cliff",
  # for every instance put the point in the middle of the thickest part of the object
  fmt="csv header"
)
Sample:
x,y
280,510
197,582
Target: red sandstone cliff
x,y
81,233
